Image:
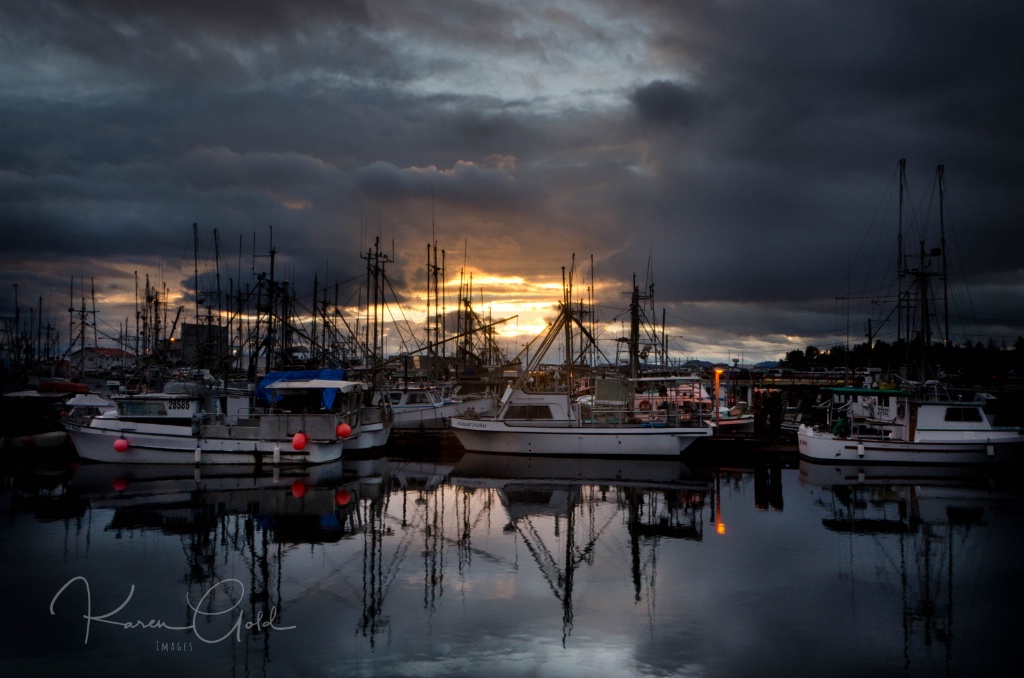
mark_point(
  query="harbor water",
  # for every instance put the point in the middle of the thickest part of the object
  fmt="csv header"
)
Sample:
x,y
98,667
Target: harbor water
x,y
439,563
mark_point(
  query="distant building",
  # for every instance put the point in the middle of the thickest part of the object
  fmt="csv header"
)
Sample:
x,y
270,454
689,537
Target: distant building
x,y
204,345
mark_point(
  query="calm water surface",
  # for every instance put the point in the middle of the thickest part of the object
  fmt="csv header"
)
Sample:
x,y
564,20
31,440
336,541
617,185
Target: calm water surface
x,y
443,564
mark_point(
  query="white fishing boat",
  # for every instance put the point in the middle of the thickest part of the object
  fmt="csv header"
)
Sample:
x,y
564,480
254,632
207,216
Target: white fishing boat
x,y
611,421
546,423
308,418
900,427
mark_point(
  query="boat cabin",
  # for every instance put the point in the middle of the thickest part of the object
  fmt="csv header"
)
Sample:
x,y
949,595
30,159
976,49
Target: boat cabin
x,y
416,398
316,396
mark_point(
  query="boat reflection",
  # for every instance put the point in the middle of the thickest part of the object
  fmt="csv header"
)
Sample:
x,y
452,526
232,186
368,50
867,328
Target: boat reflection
x,y
296,504
38,485
560,507
920,530
401,502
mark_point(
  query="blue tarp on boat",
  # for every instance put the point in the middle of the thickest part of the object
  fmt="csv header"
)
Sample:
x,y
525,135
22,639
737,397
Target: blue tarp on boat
x,y
300,375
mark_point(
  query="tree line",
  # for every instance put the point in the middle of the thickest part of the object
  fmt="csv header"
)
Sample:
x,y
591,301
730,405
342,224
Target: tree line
x,y
991,364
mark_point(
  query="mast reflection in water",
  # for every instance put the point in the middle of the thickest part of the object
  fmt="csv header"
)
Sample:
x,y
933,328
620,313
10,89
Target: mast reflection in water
x,y
460,564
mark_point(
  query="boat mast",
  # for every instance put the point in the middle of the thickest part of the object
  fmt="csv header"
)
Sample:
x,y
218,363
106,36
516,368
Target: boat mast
x,y
900,264
593,315
271,301
634,332
925,311
434,310
567,305
942,250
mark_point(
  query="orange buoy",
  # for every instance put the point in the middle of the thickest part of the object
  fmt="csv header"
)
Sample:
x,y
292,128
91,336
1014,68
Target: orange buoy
x,y
299,440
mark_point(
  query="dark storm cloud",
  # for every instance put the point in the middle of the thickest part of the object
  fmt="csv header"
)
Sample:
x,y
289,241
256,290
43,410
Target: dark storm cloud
x,y
811,106
742,148
662,101
466,183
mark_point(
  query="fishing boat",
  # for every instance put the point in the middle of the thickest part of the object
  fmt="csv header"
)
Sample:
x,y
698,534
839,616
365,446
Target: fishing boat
x,y
908,426
916,417
609,420
300,417
554,423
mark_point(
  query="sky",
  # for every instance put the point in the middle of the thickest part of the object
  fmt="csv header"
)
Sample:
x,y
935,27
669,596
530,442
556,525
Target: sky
x,y
740,156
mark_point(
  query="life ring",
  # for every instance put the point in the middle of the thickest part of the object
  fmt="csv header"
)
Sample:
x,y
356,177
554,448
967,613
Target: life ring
x,y
645,405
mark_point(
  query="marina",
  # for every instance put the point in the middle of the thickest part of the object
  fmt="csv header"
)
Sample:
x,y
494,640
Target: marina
x,y
274,491
432,560
501,339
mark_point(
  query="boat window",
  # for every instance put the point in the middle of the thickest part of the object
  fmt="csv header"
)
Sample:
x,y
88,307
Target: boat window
x,y
963,414
141,408
418,398
529,412
298,400
396,397
348,403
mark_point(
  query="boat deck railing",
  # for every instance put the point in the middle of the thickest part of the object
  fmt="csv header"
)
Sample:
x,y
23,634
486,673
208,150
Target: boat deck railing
x,y
634,418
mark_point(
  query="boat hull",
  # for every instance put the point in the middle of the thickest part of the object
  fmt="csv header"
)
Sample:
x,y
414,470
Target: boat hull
x,y
425,417
179,445
437,417
497,436
824,446
369,436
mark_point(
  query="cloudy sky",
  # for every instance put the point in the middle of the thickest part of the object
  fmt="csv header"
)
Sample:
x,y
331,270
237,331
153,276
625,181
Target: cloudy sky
x,y
740,154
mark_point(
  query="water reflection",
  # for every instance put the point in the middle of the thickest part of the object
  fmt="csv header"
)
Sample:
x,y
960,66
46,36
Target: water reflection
x,y
561,507
460,563
911,526
399,499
